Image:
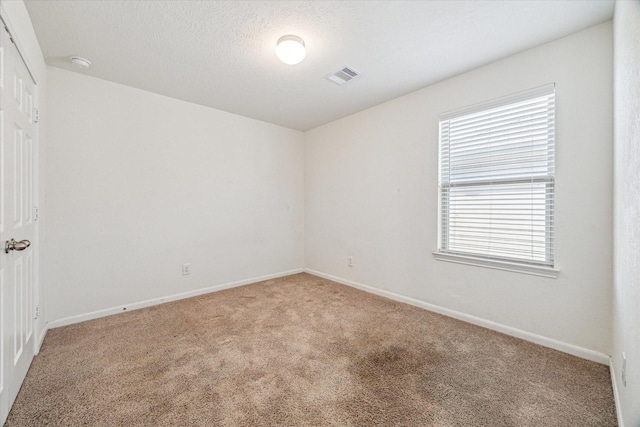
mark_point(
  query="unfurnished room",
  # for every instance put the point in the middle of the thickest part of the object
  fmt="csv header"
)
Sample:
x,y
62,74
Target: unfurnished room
x,y
320,213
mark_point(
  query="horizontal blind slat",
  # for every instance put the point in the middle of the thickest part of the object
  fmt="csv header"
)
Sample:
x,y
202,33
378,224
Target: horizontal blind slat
x,y
522,119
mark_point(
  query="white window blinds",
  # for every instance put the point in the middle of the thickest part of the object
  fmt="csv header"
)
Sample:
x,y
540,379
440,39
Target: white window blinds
x,y
497,179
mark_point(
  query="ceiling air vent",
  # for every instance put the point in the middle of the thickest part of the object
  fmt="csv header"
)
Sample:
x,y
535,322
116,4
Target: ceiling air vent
x,y
342,76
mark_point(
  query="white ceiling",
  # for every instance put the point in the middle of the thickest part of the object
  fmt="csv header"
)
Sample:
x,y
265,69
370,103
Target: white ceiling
x,y
222,53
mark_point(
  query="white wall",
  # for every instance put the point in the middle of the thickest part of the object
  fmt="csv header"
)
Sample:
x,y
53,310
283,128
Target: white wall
x,y
139,183
371,192
626,266
17,17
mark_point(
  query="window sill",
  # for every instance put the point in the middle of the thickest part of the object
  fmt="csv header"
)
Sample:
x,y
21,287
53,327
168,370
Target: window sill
x,y
535,270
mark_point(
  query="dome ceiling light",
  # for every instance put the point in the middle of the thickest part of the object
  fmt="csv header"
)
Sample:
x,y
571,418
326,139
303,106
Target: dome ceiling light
x,y
290,49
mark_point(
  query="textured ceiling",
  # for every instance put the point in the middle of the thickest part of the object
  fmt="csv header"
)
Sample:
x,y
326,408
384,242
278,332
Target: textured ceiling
x,y
222,53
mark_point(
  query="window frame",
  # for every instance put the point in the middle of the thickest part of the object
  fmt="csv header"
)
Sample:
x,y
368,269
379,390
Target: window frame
x,y
546,269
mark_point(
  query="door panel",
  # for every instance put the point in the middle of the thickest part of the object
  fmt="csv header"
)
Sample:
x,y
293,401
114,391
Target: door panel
x,y
17,130
17,177
18,310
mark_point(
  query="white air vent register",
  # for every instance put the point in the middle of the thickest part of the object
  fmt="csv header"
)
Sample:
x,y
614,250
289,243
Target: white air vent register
x,y
342,76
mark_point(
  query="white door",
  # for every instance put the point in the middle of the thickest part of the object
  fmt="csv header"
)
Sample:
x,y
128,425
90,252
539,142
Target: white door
x,y
17,132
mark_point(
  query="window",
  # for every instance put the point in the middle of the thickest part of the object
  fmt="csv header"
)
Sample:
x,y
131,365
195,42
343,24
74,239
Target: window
x,y
496,183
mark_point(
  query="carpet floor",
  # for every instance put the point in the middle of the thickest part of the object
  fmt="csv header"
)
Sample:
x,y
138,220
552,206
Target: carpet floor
x,y
303,351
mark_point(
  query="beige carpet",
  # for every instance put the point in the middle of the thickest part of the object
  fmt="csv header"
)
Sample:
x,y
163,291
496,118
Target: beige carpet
x,y
303,351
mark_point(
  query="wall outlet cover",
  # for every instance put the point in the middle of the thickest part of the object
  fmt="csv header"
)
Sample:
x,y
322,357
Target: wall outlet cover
x,y
186,269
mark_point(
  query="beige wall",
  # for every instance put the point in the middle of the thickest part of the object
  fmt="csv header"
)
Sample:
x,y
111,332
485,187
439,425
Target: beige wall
x,y
139,184
371,191
626,289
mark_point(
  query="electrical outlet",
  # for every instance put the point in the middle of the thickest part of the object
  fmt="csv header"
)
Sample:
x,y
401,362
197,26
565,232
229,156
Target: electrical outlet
x,y
186,269
350,261
624,369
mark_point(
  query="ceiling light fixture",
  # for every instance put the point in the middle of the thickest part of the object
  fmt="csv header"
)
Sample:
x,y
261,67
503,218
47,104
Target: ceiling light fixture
x,y
80,62
290,49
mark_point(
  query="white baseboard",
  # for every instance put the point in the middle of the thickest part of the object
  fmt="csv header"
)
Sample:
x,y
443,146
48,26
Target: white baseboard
x,y
616,396
508,330
161,300
40,339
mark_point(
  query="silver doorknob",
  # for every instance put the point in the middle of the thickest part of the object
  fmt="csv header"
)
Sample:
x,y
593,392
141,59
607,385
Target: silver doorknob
x,y
12,245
